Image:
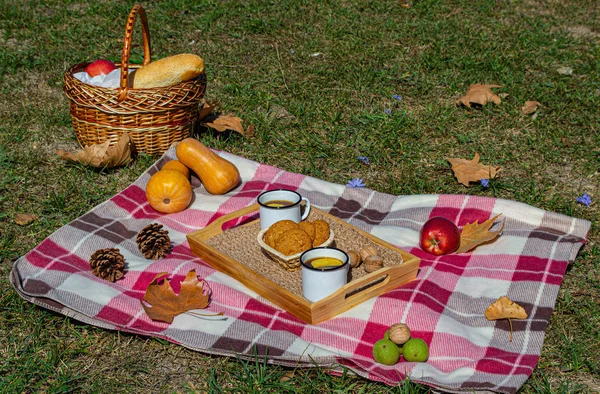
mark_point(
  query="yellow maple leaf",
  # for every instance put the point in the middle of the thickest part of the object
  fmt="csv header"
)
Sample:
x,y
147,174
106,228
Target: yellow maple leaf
x,y
479,94
467,171
475,234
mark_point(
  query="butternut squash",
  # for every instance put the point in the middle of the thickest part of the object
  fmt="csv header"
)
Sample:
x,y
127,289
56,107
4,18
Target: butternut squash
x,y
217,174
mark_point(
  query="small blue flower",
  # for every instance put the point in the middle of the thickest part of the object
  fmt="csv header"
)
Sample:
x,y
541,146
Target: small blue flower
x,y
388,111
485,182
364,159
397,97
355,183
585,200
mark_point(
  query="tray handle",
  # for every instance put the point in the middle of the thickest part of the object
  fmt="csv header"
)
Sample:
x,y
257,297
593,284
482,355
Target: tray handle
x,y
137,9
375,280
216,227
356,292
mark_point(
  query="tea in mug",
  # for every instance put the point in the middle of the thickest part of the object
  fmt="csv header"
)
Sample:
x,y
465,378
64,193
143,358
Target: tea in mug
x,y
324,263
279,203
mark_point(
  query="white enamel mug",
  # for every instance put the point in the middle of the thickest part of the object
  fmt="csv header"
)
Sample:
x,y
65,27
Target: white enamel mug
x,y
318,283
281,204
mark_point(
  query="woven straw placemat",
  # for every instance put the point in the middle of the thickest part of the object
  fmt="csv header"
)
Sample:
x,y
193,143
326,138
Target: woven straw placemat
x,y
240,244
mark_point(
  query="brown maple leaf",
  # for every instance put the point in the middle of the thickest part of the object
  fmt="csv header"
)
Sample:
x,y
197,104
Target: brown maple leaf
x,y
479,94
23,219
475,234
467,171
208,108
505,308
209,116
250,130
165,304
227,122
530,107
102,155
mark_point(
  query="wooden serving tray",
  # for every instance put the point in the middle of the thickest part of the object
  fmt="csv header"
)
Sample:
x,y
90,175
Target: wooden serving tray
x,y
236,253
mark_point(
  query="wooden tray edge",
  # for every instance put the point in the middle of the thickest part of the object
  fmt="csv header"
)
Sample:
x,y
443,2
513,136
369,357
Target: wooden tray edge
x,y
349,296
312,313
285,299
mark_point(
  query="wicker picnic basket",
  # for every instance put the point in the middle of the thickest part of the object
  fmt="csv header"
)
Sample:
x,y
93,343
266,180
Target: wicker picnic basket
x,y
154,118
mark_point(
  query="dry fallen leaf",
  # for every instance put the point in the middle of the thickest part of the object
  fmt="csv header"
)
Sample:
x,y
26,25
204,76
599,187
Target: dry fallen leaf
x,y
479,94
227,122
208,108
287,376
23,219
165,304
530,107
102,155
211,118
467,171
565,71
475,234
505,308
250,130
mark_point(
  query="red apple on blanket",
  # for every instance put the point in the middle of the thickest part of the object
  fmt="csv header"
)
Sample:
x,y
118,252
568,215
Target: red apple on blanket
x,y
439,236
100,67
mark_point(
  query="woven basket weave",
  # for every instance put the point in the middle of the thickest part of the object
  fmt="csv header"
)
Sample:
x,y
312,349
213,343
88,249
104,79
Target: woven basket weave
x,y
154,118
289,263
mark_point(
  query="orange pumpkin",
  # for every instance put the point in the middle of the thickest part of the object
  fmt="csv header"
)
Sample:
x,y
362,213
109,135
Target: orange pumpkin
x,y
169,191
177,166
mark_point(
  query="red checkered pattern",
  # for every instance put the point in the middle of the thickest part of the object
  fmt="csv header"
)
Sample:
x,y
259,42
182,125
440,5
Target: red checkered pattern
x,y
445,305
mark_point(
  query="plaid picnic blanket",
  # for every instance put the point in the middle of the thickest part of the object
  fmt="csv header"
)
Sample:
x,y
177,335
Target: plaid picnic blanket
x,y
445,305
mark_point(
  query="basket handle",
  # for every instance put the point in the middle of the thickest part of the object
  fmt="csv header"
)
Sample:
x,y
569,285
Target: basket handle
x,y
137,9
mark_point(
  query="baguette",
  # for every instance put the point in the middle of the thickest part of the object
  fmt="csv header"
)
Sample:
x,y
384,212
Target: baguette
x,y
167,71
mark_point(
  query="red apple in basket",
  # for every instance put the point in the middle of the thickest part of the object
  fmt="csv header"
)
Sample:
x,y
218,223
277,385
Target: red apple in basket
x,y
100,67
439,236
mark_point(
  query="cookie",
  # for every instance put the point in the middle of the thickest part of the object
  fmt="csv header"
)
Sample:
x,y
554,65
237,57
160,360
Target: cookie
x,y
321,232
276,230
309,228
293,241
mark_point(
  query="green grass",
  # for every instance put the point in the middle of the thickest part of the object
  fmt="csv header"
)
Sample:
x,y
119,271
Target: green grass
x,y
313,115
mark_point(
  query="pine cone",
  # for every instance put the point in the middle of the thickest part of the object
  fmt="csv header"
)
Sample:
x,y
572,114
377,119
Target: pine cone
x,y
108,264
153,242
